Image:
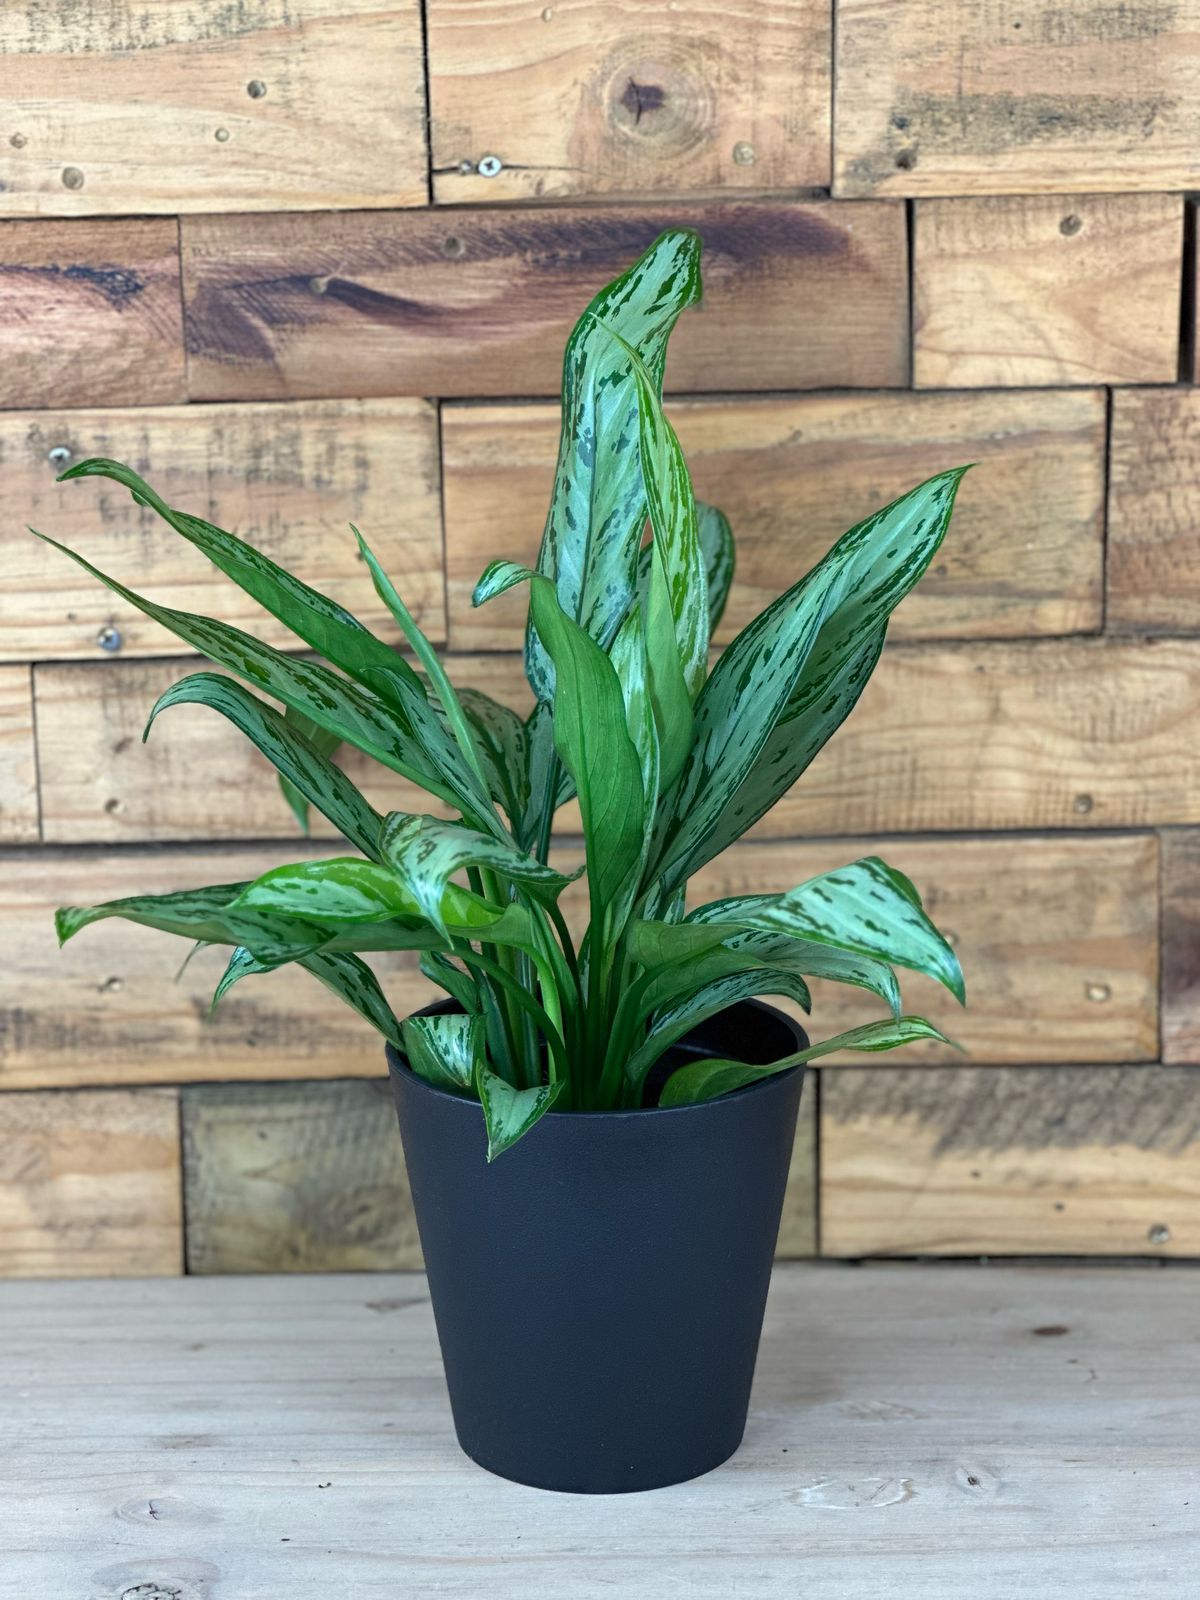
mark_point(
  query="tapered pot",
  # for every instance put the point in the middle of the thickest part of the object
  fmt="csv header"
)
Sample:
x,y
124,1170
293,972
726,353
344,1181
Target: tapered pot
x,y
599,1288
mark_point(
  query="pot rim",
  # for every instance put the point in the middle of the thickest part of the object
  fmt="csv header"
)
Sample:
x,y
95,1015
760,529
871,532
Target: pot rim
x,y
398,1064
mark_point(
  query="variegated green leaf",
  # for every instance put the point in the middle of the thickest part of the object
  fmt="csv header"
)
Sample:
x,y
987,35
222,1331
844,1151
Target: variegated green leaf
x,y
704,1080
210,915
717,548
801,663
446,1050
426,853
342,974
298,761
504,747
459,985
323,742
510,1113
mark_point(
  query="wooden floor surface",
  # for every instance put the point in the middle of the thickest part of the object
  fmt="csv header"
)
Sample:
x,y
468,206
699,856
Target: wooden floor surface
x,y
936,1431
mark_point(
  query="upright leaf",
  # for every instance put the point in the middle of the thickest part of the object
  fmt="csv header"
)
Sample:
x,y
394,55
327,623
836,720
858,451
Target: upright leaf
x,y
717,548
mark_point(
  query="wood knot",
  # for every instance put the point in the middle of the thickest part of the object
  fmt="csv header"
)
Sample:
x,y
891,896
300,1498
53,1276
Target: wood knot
x,y
640,98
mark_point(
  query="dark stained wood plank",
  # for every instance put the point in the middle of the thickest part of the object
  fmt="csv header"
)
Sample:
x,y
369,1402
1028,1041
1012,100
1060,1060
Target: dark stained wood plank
x,y
113,1007
1024,555
283,104
1153,567
288,478
974,99
1047,289
296,1177
1029,1161
90,313
1181,945
90,1184
18,759
601,98
480,302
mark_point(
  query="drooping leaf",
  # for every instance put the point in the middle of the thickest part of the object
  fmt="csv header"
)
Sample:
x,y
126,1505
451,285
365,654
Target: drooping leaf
x,y
296,759
210,915
867,908
510,1113
804,660
323,742
446,1050
342,974
426,853
704,1080
459,985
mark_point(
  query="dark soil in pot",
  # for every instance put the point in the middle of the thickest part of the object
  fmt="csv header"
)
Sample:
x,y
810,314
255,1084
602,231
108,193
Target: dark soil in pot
x,y
599,1288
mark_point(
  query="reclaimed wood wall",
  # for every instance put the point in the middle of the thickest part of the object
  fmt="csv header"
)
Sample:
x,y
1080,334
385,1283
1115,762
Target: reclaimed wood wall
x,y
314,262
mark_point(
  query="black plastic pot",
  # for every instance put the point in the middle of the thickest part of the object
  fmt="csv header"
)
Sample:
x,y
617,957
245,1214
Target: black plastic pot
x,y
599,1288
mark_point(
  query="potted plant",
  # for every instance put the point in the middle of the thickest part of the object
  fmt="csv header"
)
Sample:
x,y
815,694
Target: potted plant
x,y
597,1131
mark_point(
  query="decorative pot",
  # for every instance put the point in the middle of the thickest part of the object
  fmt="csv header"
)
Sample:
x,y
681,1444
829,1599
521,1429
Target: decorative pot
x,y
599,1288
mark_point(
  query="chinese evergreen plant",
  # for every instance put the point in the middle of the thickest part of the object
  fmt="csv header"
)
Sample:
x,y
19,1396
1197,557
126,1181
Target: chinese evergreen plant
x,y
670,762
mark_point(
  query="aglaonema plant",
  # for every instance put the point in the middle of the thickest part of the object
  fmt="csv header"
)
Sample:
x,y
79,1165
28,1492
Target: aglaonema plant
x,y
670,758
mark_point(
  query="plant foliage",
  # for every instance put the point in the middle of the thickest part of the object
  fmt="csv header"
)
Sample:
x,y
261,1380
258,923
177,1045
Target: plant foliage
x,y
669,762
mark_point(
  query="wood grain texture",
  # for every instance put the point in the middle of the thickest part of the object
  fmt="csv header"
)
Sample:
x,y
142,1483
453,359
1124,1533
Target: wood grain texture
x,y
602,97
18,759
1153,566
1024,555
1047,289
89,1184
90,313
963,1161
1073,733
798,1225
913,1434
281,103
290,479
972,99
113,1007
480,302
1058,938
1181,945
296,1177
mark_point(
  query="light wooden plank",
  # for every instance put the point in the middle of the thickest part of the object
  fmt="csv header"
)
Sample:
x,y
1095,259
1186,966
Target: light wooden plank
x,y
310,1177
1075,733
89,1184
935,99
923,1433
294,104
18,761
113,1007
962,1161
1153,567
480,302
589,97
296,1177
1181,945
1024,555
90,313
1047,289
288,478
1058,939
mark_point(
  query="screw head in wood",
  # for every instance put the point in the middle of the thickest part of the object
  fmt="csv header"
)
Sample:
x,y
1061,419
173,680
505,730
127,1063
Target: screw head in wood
x,y
489,166
59,456
222,135
256,88
109,638
72,178
1099,992
743,154
1159,1233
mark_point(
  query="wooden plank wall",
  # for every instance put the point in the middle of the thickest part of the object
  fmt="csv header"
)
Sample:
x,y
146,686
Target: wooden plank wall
x,y
314,262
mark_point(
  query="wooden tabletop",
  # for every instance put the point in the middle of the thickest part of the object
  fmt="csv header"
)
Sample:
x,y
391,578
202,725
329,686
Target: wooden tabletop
x,y
935,1431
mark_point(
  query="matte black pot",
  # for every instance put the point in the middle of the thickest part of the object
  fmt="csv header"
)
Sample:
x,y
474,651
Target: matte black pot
x,y
599,1288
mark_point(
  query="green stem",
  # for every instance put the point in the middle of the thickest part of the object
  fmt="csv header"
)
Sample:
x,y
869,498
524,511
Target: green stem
x,y
558,1053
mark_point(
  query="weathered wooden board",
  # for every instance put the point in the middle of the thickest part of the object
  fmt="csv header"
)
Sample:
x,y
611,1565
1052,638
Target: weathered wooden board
x,y
481,302
290,479
979,99
1056,1160
18,760
296,1177
1153,566
112,1006
174,107
1058,938
1181,945
588,97
90,313
1024,555
89,1184
1047,289
924,1433
1081,733
310,1177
